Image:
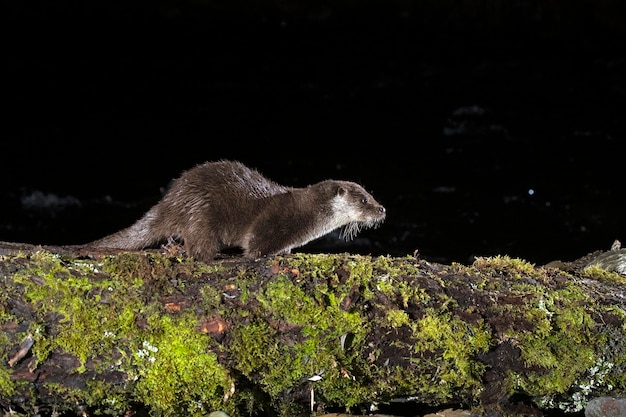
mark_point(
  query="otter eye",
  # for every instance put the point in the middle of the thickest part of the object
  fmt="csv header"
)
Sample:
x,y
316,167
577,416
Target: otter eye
x,y
364,200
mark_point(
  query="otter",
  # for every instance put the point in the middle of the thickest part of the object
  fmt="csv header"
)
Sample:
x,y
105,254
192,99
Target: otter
x,y
225,204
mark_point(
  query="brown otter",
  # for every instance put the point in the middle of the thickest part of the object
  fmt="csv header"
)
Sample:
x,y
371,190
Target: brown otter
x,y
223,204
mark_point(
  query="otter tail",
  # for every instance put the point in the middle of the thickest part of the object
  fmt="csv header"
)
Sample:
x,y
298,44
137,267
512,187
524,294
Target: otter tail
x,y
138,236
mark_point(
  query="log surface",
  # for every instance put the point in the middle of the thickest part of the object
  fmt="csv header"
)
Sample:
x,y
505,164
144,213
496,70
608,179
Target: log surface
x,y
118,332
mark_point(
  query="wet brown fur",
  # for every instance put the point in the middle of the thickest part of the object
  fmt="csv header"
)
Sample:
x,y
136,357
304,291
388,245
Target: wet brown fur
x,y
223,204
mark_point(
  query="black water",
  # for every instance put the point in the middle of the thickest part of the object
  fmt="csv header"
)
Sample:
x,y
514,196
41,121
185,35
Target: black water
x,y
477,143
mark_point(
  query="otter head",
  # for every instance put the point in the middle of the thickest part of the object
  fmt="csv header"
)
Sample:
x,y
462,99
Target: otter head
x,y
356,209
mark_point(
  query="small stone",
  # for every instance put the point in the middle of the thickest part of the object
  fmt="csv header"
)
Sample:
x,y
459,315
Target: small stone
x,y
606,407
218,414
449,412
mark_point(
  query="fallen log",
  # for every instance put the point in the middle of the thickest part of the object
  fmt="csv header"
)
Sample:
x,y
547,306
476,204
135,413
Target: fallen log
x,y
300,335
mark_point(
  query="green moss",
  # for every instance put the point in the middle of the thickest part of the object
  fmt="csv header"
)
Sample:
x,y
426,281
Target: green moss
x,y
443,343
597,273
255,347
107,398
334,276
78,301
6,348
320,313
343,273
97,319
133,267
178,372
307,340
404,291
211,296
313,266
557,336
273,365
396,267
561,344
503,264
397,318
459,343
7,386
338,386
125,267
334,269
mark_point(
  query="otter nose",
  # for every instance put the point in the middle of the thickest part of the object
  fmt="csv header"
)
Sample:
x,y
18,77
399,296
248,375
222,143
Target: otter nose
x,y
382,209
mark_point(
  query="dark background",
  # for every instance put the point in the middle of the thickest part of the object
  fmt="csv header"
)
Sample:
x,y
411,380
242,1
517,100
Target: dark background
x,y
485,128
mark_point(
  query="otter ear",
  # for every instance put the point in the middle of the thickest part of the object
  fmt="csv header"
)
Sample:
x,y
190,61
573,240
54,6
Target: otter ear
x,y
341,190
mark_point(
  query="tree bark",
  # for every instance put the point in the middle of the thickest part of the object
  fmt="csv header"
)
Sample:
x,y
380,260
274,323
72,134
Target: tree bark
x,y
112,333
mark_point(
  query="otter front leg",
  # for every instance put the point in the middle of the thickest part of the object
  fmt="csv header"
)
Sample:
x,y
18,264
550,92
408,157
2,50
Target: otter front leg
x,y
256,253
258,246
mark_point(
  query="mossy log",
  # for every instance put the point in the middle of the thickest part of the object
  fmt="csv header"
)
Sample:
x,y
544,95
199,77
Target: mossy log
x,y
303,334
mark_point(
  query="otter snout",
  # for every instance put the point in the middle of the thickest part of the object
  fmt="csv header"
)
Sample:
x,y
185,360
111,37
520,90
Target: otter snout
x,y
376,215
380,212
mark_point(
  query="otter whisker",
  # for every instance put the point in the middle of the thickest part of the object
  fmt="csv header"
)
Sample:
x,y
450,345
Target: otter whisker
x,y
350,230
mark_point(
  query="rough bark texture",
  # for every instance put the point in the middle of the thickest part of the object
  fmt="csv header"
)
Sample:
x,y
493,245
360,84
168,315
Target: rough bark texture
x,y
113,333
